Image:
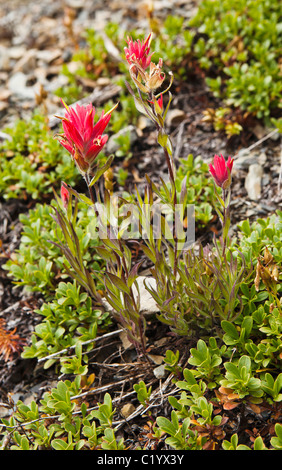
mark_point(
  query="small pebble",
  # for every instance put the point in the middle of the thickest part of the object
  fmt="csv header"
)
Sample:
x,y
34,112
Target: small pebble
x,y
159,372
127,410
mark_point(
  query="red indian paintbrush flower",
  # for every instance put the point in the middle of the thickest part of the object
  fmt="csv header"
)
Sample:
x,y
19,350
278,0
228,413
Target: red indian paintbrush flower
x,y
137,52
221,171
139,59
82,138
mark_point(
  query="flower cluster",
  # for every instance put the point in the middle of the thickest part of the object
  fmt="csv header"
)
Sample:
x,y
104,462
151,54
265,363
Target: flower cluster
x,y
146,75
82,137
137,53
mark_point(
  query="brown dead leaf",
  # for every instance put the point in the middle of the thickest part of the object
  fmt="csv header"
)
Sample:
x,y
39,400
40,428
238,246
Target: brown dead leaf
x,y
255,408
156,358
10,342
227,398
210,445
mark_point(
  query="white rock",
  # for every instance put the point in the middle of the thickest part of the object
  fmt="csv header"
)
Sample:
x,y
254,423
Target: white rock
x,y
175,117
253,181
16,52
147,303
47,56
160,372
17,86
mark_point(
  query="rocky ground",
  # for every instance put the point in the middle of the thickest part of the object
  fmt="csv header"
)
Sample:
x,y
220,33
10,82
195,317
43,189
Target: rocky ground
x,y
35,40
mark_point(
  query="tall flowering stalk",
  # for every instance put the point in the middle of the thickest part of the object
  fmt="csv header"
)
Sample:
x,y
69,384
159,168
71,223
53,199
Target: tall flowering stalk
x,y
84,139
148,77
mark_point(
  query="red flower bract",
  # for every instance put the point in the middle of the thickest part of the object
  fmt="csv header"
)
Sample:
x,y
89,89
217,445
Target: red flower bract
x,y
221,171
64,195
158,104
137,52
81,137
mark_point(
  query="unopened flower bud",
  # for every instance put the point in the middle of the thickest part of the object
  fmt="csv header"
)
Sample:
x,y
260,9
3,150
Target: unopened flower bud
x,y
221,171
65,195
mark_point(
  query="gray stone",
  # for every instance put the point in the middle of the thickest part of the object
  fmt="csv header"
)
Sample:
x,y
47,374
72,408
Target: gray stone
x,y
147,304
244,159
160,372
17,86
253,181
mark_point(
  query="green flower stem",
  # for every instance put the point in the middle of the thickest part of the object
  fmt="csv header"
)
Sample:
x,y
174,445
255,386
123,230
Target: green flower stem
x,y
171,170
224,222
90,188
226,195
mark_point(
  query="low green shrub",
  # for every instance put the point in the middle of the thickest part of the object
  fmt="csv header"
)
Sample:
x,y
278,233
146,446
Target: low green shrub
x,y
32,163
241,41
59,423
38,263
69,320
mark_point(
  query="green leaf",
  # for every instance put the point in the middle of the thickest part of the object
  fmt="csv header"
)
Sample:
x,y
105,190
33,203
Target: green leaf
x,y
59,444
101,170
276,442
166,425
116,281
230,329
24,443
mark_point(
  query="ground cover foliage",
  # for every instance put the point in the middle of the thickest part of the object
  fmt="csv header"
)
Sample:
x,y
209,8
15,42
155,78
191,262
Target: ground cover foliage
x,y
201,370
